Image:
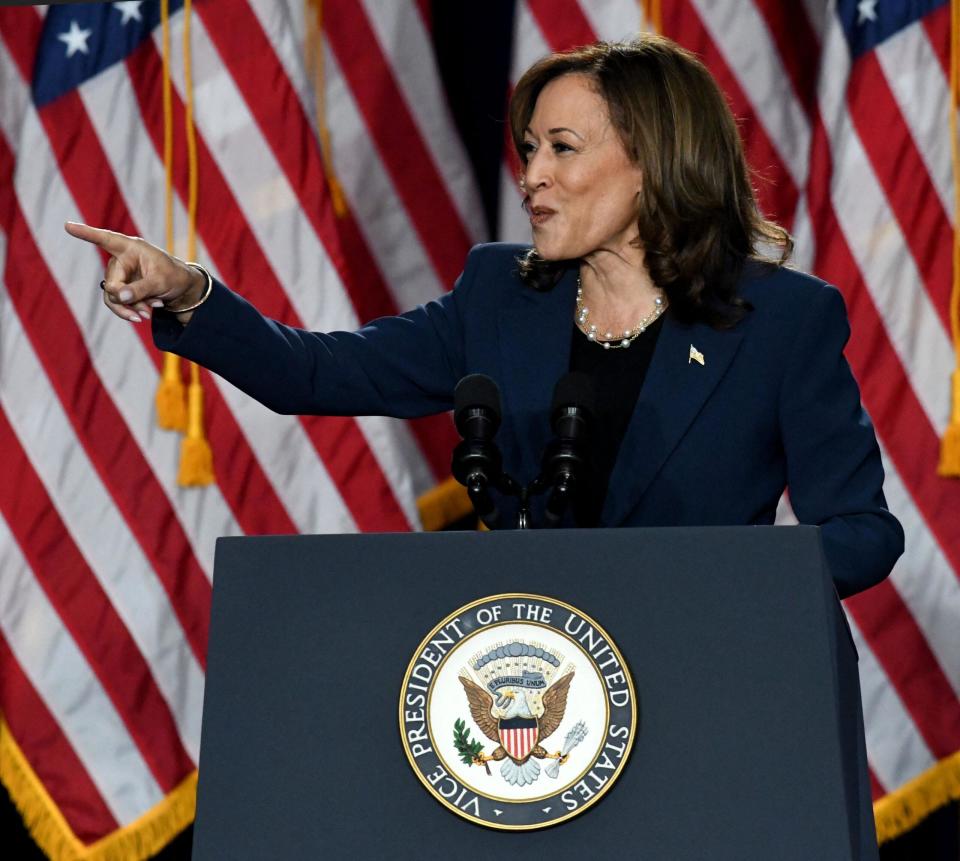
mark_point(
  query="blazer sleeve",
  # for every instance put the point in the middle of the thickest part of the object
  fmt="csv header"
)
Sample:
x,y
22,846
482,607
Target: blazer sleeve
x,y
404,366
834,471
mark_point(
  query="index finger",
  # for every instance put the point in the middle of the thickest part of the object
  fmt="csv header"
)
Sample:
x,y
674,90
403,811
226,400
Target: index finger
x,y
110,241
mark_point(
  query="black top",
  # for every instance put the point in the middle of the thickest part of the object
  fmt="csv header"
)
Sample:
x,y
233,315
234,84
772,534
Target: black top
x,y
617,377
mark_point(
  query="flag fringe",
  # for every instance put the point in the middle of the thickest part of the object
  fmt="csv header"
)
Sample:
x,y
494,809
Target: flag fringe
x,y
444,504
904,808
139,840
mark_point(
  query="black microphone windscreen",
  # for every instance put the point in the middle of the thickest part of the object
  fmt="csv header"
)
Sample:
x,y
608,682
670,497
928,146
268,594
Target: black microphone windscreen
x,y
574,390
476,390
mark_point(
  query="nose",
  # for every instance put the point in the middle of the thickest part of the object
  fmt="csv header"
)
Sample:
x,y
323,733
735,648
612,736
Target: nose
x,y
539,172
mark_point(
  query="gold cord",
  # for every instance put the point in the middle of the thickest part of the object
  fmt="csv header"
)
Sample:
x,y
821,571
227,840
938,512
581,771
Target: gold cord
x,y
652,15
177,408
196,456
170,399
313,51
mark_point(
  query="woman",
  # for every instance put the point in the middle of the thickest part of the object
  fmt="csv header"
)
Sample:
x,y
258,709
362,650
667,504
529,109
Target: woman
x,y
720,377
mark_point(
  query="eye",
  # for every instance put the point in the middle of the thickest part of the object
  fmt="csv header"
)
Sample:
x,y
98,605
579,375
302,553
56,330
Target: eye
x,y
527,148
560,146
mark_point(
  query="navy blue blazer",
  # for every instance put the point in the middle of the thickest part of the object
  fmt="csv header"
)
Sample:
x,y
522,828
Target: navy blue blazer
x,y
773,405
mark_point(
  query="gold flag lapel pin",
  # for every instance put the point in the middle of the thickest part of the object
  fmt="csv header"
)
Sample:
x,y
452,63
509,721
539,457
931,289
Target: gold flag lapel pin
x,y
696,356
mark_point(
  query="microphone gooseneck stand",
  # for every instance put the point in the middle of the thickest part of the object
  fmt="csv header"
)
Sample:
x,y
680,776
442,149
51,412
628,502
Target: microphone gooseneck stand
x,y
478,465
565,461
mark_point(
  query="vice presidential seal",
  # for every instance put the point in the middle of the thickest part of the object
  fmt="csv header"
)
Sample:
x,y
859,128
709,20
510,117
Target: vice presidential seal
x,y
517,711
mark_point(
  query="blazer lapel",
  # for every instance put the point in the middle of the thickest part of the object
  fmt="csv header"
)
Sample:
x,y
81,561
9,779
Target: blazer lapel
x,y
535,332
674,391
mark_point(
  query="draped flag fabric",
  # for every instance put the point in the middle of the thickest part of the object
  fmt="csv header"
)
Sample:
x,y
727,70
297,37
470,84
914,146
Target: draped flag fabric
x,y
844,110
105,562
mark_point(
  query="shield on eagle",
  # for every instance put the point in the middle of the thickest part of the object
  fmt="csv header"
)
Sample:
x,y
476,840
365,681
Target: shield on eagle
x,y
518,736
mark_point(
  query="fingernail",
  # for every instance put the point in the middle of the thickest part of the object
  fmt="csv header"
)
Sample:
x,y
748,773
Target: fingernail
x,y
156,303
145,315
133,318
125,295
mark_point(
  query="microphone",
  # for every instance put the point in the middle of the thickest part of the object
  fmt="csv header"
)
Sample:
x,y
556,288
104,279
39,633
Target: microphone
x,y
565,460
476,407
477,463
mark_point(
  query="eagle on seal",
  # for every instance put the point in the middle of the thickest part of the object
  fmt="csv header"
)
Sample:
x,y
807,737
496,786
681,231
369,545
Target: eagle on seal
x,y
518,726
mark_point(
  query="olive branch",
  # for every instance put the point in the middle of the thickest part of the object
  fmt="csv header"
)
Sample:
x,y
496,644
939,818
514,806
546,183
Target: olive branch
x,y
469,749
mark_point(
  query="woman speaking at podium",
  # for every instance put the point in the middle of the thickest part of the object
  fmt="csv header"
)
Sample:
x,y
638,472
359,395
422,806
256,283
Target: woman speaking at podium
x,y
718,373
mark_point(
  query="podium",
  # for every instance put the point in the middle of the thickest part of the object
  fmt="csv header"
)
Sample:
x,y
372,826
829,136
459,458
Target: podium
x,y
749,741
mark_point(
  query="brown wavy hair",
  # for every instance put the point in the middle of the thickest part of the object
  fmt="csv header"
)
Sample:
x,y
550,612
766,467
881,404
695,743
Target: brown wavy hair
x,y
697,213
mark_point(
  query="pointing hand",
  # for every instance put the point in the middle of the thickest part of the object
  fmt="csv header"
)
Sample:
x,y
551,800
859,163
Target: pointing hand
x,y
140,276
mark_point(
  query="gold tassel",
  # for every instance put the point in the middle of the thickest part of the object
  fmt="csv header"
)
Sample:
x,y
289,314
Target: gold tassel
x,y
442,505
174,412
950,447
171,398
196,457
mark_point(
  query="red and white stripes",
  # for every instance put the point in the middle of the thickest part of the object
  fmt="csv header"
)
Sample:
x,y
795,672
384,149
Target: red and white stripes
x,y
855,158
106,562
519,741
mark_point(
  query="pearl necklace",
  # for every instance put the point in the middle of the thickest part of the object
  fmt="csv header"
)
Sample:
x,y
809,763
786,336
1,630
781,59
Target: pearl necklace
x,y
609,340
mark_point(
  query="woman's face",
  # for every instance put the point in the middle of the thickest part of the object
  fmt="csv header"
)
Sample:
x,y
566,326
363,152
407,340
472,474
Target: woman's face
x,y
581,187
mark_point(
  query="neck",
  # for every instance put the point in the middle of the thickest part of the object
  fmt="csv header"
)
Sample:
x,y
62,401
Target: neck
x,y
623,304
617,287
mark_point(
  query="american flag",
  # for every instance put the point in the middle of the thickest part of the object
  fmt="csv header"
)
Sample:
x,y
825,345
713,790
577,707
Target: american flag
x,y
105,563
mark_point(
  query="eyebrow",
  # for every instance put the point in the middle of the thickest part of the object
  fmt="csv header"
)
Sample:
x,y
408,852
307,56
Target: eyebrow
x,y
556,130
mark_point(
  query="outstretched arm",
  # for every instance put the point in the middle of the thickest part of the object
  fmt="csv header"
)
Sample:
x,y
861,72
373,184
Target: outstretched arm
x,y
403,366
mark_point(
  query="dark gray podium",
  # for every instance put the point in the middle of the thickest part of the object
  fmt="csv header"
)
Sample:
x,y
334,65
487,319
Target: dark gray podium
x,y
750,739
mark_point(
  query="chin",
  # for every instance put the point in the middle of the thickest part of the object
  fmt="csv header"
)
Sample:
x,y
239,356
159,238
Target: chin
x,y
551,250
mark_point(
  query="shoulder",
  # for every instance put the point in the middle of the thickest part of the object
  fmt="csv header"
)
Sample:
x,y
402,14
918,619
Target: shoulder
x,y
764,284
783,297
491,274
796,321
495,257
